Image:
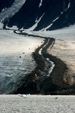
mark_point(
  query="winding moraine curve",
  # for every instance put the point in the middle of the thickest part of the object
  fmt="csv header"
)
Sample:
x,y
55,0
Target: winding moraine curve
x,y
47,77
41,51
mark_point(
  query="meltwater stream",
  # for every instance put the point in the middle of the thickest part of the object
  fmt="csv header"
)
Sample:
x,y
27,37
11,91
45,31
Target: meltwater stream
x,y
15,59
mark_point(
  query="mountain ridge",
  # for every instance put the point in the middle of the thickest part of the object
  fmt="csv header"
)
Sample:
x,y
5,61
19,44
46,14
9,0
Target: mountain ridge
x,y
56,14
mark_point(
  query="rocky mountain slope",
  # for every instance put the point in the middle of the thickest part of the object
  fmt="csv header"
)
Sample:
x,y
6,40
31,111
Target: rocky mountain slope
x,y
48,14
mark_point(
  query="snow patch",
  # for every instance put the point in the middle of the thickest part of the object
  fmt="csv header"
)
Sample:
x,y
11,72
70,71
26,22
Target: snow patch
x,y
69,5
40,4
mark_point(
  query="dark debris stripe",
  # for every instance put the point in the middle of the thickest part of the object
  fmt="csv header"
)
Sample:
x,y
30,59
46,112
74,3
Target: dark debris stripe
x,y
35,82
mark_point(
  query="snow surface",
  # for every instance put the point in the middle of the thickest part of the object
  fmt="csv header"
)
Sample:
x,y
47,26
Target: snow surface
x,y
37,104
69,4
9,12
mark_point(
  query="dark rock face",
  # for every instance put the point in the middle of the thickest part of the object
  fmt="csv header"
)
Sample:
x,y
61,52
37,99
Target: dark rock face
x,y
61,10
26,16
5,4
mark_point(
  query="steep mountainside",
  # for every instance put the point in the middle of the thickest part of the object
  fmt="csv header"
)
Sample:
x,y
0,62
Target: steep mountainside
x,y
48,14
